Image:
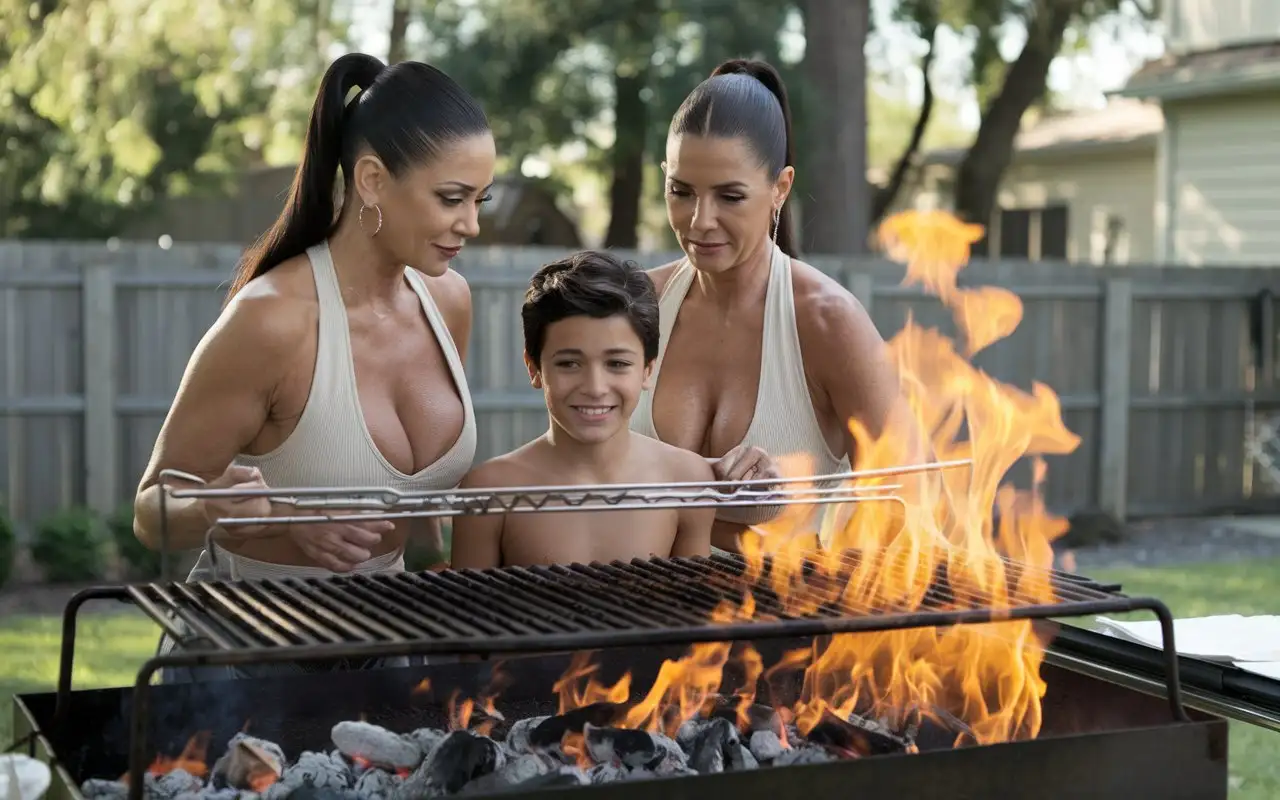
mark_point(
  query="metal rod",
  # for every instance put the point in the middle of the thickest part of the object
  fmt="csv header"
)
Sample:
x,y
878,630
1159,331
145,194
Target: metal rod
x,y
395,496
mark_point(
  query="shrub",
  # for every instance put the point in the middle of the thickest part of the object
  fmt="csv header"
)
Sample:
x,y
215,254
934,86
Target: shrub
x,y
143,563
8,546
70,546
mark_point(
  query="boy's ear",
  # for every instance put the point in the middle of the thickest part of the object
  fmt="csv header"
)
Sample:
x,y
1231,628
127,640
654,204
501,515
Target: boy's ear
x,y
647,383
535,375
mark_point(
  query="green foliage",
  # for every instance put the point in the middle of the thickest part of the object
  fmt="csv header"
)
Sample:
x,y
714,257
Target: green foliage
x,y
117,104
8,546
143,563
70,546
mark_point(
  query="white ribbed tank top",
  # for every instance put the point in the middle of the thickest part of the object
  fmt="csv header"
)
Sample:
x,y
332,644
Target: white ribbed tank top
x,y
784,422
331,446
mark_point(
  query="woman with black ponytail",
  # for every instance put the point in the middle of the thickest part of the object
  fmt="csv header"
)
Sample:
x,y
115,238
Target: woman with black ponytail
x,y
338,357
761,355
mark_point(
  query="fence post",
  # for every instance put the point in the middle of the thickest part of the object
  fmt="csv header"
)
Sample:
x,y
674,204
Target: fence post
x,y
98,317
1116,353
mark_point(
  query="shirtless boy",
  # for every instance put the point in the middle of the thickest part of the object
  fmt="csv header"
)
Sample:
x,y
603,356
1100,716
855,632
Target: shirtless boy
x,y
591,336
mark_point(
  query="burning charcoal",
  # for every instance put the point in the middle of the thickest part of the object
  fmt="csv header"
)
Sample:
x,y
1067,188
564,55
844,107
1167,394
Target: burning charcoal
x,y
606,773
309,792
759,716
551,730
688,732
377,745
631,748
101,789
517,741
516,772
561,776
377,783
210,793
718,748
248,763
765,745
462,757
803,754
319,770
427,738
938,730
173,783
855,737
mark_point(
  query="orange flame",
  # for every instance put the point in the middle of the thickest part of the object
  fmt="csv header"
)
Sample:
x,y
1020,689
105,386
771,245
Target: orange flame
x,y
987,676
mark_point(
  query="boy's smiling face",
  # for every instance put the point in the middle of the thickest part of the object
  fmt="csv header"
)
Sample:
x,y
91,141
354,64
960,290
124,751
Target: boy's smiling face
x,y
592,374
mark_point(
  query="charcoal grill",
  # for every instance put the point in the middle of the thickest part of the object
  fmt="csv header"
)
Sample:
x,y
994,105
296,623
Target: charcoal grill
x,y
629,609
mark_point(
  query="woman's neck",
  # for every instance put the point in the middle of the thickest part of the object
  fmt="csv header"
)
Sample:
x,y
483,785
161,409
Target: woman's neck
x,y
742,285
366,274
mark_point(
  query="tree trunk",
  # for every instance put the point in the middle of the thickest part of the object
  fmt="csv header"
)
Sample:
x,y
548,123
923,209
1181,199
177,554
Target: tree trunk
x,y
978,178
885,197
626,159
633,49
399,24
834,192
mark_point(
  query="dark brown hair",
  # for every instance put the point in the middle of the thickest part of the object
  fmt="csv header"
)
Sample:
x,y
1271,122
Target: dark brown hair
x,y
595,284
404,113
745,98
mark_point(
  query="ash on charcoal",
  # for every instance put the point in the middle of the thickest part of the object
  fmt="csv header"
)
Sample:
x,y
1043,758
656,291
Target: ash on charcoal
x,y
765,745
373,743
718,748
562,776
459,759
102,789
634,750
518,736
551,730
427,738
759,717
377,783
315,770
804,754
247,758
209,793
515,772
856,735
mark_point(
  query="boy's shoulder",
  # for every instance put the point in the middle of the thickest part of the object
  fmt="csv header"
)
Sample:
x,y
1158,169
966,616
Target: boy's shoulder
x,y
520,467
677,464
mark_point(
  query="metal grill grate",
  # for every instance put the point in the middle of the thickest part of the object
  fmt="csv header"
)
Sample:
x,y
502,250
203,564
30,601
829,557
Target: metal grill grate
x,y
577,606
653,602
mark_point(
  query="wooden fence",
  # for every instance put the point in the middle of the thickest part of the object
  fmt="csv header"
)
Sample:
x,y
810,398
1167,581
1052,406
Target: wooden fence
x,y
1160,371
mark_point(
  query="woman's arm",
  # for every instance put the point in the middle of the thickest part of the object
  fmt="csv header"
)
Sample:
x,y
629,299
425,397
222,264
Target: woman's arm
x,y
221,405
857,378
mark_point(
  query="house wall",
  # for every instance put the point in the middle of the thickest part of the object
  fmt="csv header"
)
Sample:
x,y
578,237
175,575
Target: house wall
x,y
1100,187
1223,182
1209,24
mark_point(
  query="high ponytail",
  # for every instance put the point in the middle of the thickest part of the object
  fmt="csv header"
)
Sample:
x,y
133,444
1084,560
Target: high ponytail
x,y
749,100
308,216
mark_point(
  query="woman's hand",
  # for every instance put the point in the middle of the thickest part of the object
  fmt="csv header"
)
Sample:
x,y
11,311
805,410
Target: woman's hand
x,y
745,463
336,546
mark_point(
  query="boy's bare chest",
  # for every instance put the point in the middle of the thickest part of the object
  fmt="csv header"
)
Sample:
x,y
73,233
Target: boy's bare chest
x,y
587,536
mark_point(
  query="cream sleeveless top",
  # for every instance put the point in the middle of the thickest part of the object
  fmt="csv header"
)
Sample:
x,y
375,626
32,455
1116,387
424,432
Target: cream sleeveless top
x,y
331,445
784,422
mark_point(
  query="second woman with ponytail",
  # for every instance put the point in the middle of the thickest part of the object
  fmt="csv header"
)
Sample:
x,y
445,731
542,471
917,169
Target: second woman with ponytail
x,y
761,355
338,357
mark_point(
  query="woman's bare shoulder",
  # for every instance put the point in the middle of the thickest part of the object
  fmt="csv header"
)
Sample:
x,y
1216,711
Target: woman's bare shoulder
x,y
660,275
271,316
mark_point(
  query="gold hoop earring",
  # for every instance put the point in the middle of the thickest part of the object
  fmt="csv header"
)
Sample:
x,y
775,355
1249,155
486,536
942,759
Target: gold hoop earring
x,y
360,218
777,218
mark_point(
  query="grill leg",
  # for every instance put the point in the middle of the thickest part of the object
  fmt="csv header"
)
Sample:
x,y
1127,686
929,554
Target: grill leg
x,y
1173,683
67,658
139,746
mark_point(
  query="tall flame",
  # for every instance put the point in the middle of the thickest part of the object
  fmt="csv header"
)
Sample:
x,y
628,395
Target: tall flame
x,y
986,677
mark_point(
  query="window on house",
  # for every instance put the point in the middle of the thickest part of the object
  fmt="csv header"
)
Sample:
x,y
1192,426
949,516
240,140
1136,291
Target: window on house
x,y
1033,233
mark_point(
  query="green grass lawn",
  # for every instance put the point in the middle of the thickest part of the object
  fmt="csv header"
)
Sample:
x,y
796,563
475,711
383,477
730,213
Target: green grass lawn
x,y
110,648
